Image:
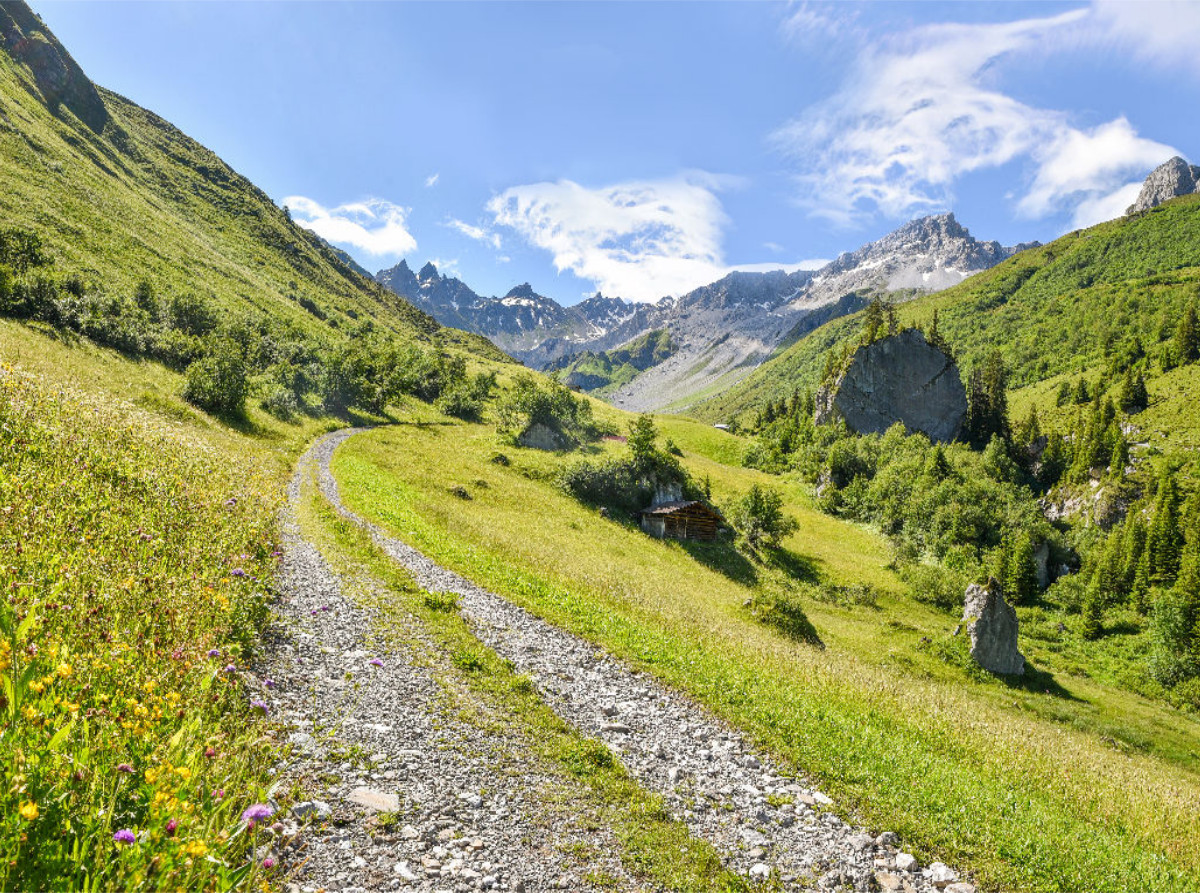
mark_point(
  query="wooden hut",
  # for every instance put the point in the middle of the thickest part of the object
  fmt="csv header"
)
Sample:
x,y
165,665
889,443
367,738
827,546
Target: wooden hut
x,y
682,520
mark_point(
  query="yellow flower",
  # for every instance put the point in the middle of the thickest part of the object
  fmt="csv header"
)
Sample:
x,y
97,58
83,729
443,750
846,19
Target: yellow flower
x,y
151,776
64,670
28,810
196,848
37,687
184,772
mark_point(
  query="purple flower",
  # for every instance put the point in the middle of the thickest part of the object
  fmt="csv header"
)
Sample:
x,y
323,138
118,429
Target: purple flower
x,y
230,668
232,500
237,572
126,768
269,683
124,836
258,812
376,662
314,612
276,554
171,826
268,863
324,607
260,705
214,652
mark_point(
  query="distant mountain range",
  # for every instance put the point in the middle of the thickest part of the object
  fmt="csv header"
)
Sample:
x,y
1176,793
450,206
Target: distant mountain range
x,y
721,331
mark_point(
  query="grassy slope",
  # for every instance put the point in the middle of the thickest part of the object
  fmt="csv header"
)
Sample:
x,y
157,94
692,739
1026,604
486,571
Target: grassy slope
x,y
1050,310
140,200
605,371
1086,789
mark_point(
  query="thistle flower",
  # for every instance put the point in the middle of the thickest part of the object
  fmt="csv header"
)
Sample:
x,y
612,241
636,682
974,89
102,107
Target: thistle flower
x,y
124,836
214,652
269,683
126,768
257,812
376,662
260,705
230,668
237,572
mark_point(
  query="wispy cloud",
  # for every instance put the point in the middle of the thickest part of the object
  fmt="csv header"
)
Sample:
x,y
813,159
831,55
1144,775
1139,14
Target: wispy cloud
x,y
1166,32
432,180
639,240
478,233
373,225
921,110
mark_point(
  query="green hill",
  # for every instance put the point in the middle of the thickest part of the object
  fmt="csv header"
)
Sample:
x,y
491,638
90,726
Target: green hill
x,y
602,371
1070,306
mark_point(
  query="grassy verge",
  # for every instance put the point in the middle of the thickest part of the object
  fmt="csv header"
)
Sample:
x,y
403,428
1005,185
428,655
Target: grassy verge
x,y
134,571
655,847
971,771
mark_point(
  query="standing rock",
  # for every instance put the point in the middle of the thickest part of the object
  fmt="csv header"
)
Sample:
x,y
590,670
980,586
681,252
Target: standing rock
x,y
1169,180
992,625
900,378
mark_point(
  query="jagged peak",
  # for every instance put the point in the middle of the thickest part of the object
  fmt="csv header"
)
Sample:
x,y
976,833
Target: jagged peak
x,y
1171,179
429,271
524,290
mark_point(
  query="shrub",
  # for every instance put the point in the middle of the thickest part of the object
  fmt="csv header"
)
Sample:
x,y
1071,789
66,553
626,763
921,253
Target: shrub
x,y
613,483
759,519
217,381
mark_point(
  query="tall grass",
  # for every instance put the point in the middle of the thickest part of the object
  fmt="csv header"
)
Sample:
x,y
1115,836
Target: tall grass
x,y
135,573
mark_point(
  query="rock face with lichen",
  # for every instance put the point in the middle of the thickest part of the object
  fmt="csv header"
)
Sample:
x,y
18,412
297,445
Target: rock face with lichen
x,y
992,625
900,378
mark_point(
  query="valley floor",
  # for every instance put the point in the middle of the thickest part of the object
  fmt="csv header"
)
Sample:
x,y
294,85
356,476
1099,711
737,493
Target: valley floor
x,y
407,771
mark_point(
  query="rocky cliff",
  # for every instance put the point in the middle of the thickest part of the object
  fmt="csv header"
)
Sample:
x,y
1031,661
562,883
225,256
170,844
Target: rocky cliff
x,y
1169,180
900,378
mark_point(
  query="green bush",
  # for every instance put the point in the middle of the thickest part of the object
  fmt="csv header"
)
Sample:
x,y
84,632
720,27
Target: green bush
x,y
217,381
758,517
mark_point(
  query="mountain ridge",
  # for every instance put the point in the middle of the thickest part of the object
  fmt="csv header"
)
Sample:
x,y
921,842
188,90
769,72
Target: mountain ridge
x,y
723,329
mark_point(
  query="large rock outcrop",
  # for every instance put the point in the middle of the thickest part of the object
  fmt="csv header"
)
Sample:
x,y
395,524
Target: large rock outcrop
x,y
1169,180
901,378
992,625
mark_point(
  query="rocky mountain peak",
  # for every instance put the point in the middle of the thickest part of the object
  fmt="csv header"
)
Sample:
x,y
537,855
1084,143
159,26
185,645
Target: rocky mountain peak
x,y
524,290
428,272
1171,179
58,77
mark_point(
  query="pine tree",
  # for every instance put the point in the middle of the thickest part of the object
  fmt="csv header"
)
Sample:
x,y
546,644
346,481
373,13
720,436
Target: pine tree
x,y
1030,429
1021,582
1133,397
873,320
1092,615
1187,337
1164,541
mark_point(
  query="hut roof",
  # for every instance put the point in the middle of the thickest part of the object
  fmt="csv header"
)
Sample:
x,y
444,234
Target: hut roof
x,y
679,505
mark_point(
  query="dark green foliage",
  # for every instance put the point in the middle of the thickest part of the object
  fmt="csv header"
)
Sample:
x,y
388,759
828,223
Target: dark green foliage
x,y
529,402
759,518
217,381
629,482
1020,580
987,402
466,399
21,249
936,585
1187,337
1133,396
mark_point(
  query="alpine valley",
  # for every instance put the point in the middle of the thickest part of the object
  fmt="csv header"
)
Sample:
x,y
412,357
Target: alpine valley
x,y
312,580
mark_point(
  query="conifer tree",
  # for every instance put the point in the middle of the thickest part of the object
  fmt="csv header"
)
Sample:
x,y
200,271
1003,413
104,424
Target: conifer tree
x,y
1021,582
1187,337
1164,541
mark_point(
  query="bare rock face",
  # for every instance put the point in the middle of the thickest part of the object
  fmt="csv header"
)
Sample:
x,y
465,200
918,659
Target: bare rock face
x,y
992,625
1169,180
900,378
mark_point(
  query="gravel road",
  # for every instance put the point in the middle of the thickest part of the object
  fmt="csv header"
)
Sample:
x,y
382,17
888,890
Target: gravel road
x,y
377,730
764,825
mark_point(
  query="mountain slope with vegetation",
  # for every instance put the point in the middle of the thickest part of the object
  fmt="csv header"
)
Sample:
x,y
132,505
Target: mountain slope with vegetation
x,y
599,371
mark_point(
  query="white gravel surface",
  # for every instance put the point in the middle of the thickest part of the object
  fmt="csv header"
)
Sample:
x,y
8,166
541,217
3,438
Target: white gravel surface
x,y
474,809
764,825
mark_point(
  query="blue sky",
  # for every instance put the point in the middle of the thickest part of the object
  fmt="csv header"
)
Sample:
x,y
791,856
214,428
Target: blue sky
x,y
644,149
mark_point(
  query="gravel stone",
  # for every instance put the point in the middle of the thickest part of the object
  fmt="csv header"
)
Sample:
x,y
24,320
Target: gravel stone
x,y
710,776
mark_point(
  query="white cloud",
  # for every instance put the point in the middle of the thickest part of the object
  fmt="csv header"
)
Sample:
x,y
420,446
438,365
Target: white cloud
x,y
638,240
921,111
446,267
805,24
1165,32
773,247
373,225
1086,166
478,233
431,180
1099,208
